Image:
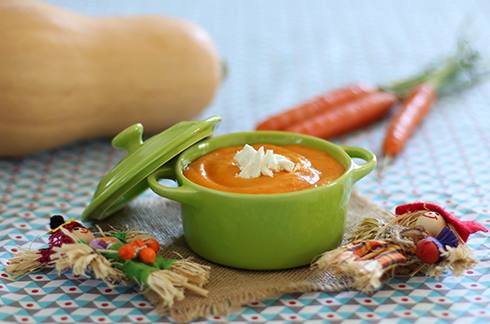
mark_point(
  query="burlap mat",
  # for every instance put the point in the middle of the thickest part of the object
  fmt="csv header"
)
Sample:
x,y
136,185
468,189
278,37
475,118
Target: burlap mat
x,y
229,287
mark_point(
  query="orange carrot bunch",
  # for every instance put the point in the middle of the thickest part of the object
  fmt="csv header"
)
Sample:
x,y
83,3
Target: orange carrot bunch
x,y
352,107
316,106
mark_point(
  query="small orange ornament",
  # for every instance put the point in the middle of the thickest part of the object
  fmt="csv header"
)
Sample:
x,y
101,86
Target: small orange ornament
x,y
147,255
138,242
151,243
127,251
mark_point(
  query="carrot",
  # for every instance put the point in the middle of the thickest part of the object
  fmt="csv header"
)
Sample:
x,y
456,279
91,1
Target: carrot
x,y
347,117
316,106
352,107
414,108
422,96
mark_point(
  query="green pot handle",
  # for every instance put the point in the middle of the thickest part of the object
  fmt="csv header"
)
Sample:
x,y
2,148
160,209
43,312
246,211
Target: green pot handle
x,y
182,194
360,171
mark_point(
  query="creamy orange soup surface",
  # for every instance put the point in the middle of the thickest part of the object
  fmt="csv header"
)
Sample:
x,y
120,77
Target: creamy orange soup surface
x,y
218,170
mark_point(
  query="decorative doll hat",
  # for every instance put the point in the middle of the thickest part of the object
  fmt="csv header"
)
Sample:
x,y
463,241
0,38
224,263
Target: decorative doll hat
x,y
57,221
463,228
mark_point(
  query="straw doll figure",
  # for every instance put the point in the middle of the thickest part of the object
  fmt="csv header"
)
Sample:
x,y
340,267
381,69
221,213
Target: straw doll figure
x,y
114,257
421,237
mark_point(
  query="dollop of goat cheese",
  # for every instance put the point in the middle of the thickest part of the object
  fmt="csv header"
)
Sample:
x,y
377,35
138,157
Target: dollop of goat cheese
x,y
254,163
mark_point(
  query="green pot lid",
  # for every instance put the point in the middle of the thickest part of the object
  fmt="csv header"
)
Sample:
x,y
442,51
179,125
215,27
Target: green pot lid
x,y
128,179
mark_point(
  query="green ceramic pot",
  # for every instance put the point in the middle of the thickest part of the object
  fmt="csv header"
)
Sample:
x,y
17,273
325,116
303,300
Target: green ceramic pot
x,y
263,231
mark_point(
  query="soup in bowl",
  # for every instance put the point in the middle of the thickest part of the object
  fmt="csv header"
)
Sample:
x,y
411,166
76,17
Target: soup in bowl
x,y
222,170
279,227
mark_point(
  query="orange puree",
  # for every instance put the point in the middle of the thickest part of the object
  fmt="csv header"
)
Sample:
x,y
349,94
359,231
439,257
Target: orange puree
x,y
218,170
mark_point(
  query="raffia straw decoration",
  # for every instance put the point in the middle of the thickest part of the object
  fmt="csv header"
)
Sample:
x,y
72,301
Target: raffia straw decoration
x,y
456,259
366,229
79,256
367,275
131,234
24,261
371,228
101,232
332,259
196,273
168,285
407,220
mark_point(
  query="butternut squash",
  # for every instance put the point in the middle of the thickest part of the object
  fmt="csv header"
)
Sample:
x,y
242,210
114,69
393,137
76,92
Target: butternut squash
x,y
66,77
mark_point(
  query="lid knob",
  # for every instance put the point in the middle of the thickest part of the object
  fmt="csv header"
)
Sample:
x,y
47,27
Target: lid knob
x,y
129,139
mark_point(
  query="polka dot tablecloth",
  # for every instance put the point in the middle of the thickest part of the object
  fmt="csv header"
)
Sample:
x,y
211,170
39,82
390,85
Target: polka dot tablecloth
x,y
280,53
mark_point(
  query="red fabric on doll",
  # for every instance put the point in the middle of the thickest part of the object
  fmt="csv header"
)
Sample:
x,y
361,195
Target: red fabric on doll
x,y
464,228
57,239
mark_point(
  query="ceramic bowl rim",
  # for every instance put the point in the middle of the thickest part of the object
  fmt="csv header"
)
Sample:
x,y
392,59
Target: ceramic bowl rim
x,y
180,164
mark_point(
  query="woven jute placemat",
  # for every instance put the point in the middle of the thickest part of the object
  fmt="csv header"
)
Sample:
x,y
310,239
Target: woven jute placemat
x,y
229,287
